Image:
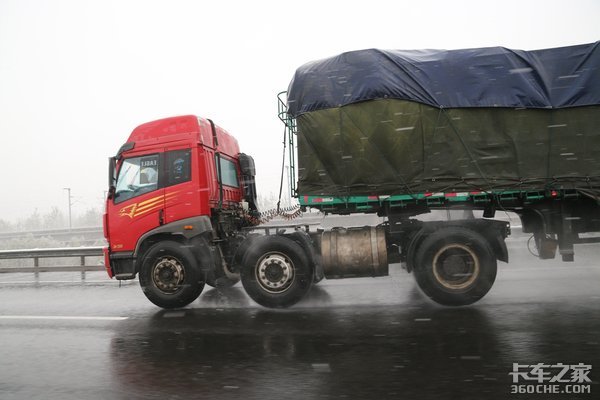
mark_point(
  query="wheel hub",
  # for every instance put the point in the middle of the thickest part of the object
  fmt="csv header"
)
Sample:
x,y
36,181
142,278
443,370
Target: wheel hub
x,y
456,266
275,272
168,274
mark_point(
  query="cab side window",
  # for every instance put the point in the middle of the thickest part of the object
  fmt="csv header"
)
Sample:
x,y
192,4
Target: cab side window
x,y
178,167
227,170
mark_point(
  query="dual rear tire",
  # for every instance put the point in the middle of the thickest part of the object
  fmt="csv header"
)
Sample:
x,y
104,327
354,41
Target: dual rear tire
x,y
276,272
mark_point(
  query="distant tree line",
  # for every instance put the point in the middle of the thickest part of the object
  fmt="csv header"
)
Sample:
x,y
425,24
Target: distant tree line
x,y
54,219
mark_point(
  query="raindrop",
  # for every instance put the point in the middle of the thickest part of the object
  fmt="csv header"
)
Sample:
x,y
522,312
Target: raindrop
x,y
520,70
568,76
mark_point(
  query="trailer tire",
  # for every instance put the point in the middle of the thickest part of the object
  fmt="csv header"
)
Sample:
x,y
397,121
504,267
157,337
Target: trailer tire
x,y
276,272
169,275
455,266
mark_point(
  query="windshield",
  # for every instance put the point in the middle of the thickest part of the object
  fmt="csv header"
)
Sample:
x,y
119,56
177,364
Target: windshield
x,y
137,175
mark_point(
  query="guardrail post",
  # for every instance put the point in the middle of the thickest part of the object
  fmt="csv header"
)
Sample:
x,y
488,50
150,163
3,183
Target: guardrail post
x,y
36,268
82,263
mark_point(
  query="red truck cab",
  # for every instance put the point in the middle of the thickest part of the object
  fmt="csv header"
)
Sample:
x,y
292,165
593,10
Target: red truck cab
x,y
169,178
181,213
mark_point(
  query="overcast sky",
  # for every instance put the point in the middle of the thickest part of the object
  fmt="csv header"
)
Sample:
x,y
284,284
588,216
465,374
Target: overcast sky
x,y
76,76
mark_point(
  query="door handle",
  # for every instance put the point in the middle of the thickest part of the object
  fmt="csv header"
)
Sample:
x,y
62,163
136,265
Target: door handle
x,y
161,217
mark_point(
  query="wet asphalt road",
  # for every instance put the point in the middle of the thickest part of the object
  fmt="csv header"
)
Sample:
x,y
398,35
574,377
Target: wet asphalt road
x,y
351,339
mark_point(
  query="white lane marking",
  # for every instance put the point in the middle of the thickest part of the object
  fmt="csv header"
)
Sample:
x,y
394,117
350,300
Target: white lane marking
x,y
542,268
63,317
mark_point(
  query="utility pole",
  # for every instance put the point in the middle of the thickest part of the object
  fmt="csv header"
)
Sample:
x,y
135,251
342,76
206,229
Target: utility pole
x,y
70,204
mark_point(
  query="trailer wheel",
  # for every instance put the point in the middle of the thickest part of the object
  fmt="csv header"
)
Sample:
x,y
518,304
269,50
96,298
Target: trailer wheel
x,y
455,266
276,272
169,276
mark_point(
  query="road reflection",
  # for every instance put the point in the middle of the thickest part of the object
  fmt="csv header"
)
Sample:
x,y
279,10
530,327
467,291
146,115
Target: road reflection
x,y
365,352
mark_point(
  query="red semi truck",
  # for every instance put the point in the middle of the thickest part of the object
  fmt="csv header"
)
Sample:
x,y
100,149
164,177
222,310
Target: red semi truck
x,y
181,210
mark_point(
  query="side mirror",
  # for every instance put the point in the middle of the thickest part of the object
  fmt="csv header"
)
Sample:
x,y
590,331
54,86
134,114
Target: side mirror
x,y
112,165
111,193
247,165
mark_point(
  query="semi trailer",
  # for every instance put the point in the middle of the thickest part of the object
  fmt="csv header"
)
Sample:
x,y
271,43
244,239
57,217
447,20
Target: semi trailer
x,y
393,133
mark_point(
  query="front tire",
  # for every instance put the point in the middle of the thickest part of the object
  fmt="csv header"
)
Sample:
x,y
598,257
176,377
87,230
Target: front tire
x,y
455,266
169,275
276,272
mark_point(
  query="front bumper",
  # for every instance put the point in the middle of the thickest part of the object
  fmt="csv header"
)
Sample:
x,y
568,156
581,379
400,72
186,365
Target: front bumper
x,y
120,265
109,270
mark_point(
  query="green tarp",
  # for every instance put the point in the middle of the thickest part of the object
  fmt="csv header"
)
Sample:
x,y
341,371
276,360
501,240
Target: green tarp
x,y
390,146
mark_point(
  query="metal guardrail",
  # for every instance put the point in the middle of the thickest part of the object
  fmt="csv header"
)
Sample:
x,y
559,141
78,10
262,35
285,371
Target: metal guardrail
x,y
66,252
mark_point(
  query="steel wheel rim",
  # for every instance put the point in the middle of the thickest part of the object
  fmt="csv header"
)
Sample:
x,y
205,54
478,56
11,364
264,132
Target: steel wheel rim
x,y
275,272
456,266
168,274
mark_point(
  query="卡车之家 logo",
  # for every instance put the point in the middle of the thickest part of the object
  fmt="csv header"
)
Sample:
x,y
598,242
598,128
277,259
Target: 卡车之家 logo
x,y
551,378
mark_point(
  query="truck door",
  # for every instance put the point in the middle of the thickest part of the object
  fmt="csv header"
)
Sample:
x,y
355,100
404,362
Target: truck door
x,y
182,185
138,203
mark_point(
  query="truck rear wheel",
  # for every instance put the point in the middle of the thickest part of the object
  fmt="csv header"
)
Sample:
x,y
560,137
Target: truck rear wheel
x,y
455,266
276,272
169,276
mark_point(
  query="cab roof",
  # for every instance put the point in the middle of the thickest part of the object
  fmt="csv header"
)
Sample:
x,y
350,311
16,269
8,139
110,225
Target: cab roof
x,y
181,130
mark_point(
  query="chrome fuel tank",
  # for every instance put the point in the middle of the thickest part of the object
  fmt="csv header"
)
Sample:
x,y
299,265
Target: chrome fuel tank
x,y
354,252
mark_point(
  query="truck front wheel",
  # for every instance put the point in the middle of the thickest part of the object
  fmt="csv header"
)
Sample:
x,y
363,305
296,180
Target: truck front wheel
x,y
276,272
455,266
169,275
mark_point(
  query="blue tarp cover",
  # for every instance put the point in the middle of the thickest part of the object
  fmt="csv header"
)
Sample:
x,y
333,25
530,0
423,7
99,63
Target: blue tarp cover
x,y
485,77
